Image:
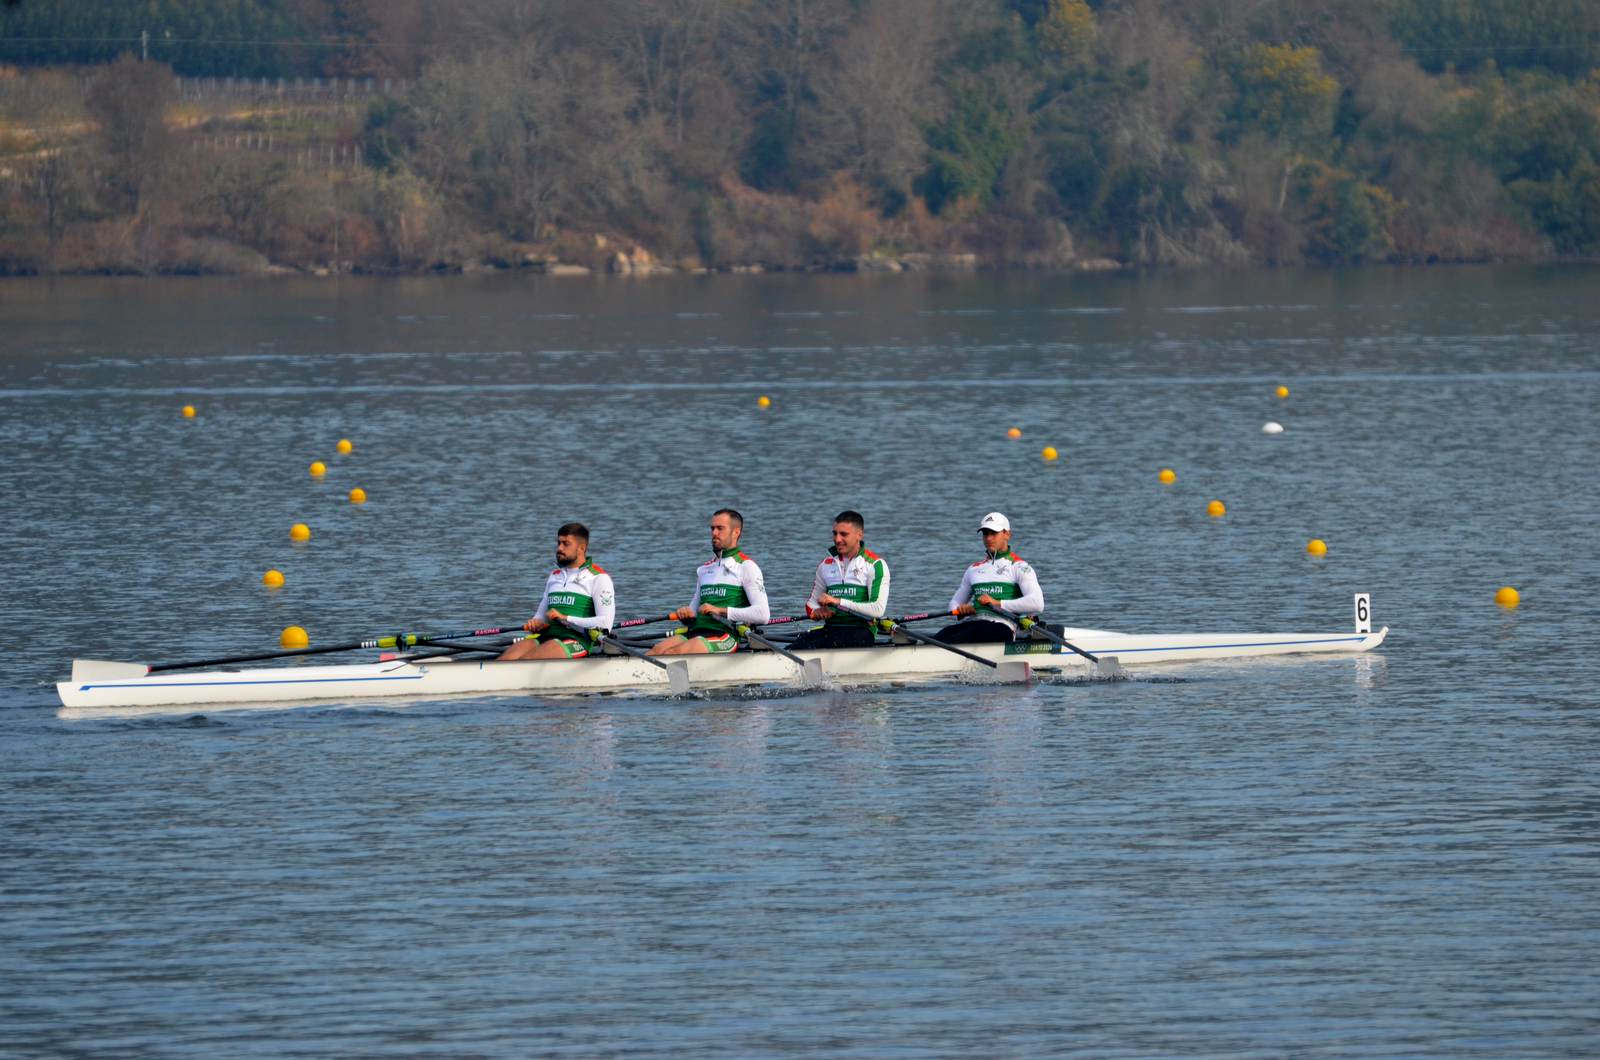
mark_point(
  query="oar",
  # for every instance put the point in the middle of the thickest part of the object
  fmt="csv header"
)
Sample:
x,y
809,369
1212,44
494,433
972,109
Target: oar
x,y
918,617
1004,671
105,669
630,622
1104,665
677,670
810,669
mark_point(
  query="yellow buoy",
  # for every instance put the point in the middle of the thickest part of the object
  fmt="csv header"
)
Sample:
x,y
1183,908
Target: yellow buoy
x,y
294,637
344,446
1216,508
299,532
1317,547
1168,476
272,579
1507,597
188,412
1048,452
318,469
358,496
764,401
1014,433
1283,391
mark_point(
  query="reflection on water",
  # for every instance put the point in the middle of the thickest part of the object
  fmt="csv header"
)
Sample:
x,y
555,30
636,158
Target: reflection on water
x,y
1381,854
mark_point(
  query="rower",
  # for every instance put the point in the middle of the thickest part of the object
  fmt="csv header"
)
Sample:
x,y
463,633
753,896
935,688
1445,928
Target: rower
x,y
996,587
729,592
578,597
851,573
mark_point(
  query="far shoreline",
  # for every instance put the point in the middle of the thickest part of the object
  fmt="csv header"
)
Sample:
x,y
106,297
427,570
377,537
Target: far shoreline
x,y
877,267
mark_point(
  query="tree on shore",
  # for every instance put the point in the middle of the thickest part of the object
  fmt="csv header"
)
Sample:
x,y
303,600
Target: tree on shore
x,y
805,133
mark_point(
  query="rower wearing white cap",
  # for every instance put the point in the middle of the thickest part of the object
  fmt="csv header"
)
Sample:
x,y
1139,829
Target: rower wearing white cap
x,y
994,589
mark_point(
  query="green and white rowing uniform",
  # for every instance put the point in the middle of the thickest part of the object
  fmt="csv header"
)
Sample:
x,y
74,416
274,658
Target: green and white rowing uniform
x,y
730,579
863,580
585,597
1010,580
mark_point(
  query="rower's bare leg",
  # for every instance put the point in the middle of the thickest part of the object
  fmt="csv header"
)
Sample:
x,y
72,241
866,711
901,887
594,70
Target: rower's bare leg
x,y
533,649
681,646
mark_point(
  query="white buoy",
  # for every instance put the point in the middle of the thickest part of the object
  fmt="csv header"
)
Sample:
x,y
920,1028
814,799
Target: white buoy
x,y
1272,427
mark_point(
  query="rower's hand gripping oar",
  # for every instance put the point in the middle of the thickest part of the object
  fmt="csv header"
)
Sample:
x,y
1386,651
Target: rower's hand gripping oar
x,y
1104,665
677,670
1007,671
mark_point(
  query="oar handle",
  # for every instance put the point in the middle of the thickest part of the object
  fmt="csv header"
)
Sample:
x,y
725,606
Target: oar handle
x,y
916,617
631,622
786,619
886,623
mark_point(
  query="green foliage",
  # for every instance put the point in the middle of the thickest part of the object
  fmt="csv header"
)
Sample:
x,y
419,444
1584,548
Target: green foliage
x,y
389,133
1067,32
1282,92
1544,138
1566,208
1558,35
785,131
211,38
1347,219
767,162
1546,149
969,148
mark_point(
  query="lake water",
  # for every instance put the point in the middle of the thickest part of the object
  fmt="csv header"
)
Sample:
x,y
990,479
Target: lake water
x,y
1392,854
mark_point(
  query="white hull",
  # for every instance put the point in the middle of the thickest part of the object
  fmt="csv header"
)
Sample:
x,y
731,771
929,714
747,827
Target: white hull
x,y
431,677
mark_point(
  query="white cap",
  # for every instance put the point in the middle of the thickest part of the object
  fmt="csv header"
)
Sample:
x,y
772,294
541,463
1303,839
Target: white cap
x,y
994,521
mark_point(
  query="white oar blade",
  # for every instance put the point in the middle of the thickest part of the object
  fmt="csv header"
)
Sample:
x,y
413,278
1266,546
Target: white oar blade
x,y
678,677
813,673
1107,668
1013,673
105,670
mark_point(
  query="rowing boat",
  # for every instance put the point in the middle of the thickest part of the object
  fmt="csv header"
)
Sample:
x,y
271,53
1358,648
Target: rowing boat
x,y
94,685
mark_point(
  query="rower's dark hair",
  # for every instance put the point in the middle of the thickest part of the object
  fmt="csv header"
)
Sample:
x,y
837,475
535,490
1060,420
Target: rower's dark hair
x,y
577,530
852,517
738,520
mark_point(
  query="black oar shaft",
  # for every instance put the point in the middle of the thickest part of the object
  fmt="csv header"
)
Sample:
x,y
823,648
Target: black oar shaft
x,y
762,642
629,649
897,623
925,639
394,640
1034,623
677,670
271,655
